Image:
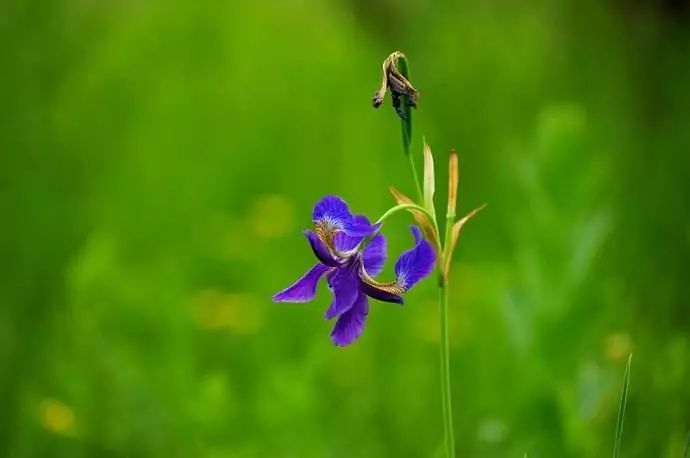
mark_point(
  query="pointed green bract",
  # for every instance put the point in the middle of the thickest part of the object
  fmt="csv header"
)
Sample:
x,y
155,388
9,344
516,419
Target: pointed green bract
x,y
429,180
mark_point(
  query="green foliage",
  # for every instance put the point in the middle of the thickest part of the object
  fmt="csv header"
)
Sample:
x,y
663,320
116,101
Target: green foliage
x,y
158,161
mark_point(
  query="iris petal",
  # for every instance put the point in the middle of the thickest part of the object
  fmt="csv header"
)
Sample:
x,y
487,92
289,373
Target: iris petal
x,y
351,323
333,211
416,263
380,294
354,232
320,250
345,284
374,255
304,289
344,241
331,312
359,226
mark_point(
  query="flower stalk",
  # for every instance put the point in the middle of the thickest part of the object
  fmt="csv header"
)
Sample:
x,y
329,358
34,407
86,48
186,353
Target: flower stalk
x,y
405,96
449,439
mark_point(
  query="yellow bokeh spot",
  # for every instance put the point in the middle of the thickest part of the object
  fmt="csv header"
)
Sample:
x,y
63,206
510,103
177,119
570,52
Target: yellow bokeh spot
x,y
618,346
239,313
56,417
271,216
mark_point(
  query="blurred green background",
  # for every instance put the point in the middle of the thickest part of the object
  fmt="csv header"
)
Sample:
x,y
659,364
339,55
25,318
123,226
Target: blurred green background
x,y
158,161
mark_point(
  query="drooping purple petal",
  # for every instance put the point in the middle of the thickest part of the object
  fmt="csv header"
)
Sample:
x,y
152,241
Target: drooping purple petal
x,y
416,263
374,255
333,211
345,284
320,250
304,289
331,312
380,294
351,323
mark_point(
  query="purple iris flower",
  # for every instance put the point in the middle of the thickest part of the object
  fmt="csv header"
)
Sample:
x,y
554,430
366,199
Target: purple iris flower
x,y
337,242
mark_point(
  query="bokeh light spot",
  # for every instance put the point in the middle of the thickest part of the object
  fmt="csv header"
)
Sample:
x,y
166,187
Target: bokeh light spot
x,y
618,346
56,417
239,313
271,216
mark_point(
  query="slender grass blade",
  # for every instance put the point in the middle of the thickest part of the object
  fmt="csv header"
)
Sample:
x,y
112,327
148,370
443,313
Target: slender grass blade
x,y
621,410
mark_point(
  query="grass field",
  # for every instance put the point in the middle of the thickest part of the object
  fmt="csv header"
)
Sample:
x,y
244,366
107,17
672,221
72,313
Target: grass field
x,y
159,160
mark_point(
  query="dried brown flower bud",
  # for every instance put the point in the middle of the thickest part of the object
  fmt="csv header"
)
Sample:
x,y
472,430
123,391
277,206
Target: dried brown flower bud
x,y
403,93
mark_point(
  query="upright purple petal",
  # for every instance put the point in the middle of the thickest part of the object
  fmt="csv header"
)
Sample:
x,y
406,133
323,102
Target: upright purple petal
x,y
374,255
416,263
351,323
344,241
345,284
320,250
360,226
333,211
354,232
304,289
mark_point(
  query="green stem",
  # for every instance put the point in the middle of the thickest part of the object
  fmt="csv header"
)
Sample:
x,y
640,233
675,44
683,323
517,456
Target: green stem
x,y
402,207
406,126
391,211
445,347
415,177
445,369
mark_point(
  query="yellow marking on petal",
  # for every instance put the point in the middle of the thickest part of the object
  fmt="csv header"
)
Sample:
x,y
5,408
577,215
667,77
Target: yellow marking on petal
x,y
392,287
57,417
326,233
